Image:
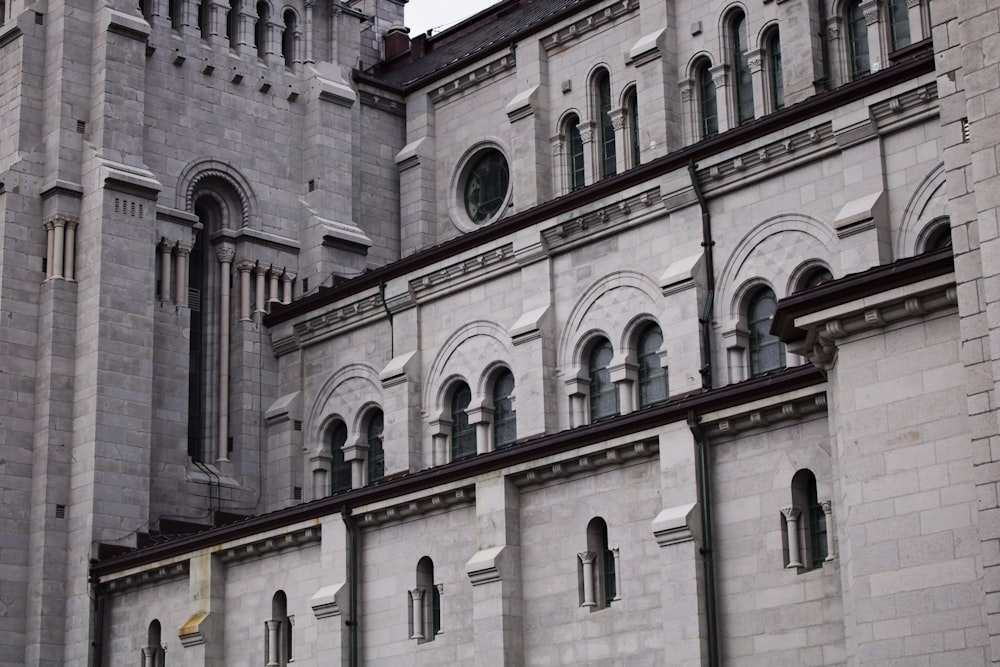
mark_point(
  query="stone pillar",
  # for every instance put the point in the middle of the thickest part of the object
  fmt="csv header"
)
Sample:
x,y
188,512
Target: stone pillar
x,y
225,254
622,141
587,562
625,375
69,251
274,275
245,267
310,6
50,242
58,246
166,259
876,45
762,102
792,535
286,292
591,163
181,293
482,419
915,15
417,602
259,302
828,513
272,642
720,77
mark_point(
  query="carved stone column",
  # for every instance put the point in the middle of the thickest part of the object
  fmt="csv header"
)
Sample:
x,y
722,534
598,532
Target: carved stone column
x,y
272,642
792,533
275,275
587,560
286,287
417,600
50,241
310,5
58,246
182,251
259,302
225,254
166,247
245,267
69,251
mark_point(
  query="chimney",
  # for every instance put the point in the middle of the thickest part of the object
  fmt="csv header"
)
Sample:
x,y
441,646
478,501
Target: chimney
x,y
418,45
397,41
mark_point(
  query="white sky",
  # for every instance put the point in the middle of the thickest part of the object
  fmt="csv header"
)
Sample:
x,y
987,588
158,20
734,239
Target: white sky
x,y
422,15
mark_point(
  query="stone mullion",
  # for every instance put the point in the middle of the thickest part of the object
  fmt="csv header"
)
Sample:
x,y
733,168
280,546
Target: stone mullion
x,y
762,100
723,99
225,255
915,15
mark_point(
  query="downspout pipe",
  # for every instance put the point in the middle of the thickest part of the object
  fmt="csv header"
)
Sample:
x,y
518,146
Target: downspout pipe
x,y
353,544
703,478
707,244
97,638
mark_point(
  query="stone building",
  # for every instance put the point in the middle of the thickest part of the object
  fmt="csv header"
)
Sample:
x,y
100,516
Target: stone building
x,y
603,332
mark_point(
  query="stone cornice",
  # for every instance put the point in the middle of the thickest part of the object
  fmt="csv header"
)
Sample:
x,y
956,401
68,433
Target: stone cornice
x,y
591,22
612,216
506,62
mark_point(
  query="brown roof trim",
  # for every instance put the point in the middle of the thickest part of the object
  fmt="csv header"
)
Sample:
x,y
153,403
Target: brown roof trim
x,y
815,105
674,410
856,286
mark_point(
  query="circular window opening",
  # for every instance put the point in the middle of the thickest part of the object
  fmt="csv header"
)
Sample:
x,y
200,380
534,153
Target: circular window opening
x,y
486,185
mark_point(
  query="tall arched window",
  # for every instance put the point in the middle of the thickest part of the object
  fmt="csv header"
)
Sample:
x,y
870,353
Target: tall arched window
x,y
857,40
152,653
233,23
814,278
376,454
767,353
775,75
631,104
260,29
899,24
812,539
574,154
278,638
652,375
938,238
463,435
504,419
340,474
204,14
598,568
288,38
741,68
708,111
605,127
425,604
603,392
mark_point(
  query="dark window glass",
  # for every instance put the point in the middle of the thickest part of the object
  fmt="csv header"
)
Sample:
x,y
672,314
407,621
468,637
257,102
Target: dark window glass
x,y
899,24
766,351
603,392
777,76
504,419
815,278
817,532
857,37
232,22
652,375
939,238
632,120
203,9
576,165
463,436
376,454
260,30
707,108
744,82
288,39
340,475
486,185
602,85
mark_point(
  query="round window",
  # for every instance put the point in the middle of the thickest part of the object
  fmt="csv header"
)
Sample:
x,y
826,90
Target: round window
x,y
486,185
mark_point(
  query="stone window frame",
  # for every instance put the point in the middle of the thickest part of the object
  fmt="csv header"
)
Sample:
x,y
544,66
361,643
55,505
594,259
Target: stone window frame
x,y
737,64
278,634
598,568
339,473
771,62
374,444
424,604
806,525
935,235
573,157
492,410
704,99
604,119
153,652
456,190
632,144
641,332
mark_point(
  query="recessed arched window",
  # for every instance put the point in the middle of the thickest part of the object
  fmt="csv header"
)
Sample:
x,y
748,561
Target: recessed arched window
x,y
153,654
425,604
485,184
175,11
708,111
652,374
598,568
574,155
631,104
939,238
741,68
463,434
857,40
233,23
204,9
814,278
899,24
812,540
767,353
340,475
605,127
603,392
775,73
278,638
504,418
288,38
376,453
260,29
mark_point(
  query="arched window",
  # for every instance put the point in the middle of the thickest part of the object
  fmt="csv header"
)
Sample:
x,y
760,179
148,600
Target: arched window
x,y
899,24
463,435
857,40
603,392
204,14
708,112
175,12
574,155
940,237
278,637
233,23
806,539
814,278
741,68
652,374
775,75
598,568
340,474
605,127
504,418
260,29
767,353
288,38
153,654
425,604
376,454
632,127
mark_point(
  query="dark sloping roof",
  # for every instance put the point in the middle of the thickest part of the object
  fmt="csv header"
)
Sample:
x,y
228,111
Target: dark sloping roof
x,y
491,30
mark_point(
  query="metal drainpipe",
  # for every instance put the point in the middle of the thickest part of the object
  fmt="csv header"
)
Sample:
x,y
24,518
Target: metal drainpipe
x,y
97,638
352,585
388,313
705,321
705,500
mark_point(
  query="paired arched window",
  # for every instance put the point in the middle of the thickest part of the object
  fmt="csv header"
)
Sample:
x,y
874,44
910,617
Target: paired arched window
x,y
574,155
805,525
708,111
631,114
260,30
340,473
737,25
605,127
767,353
153,654
425,604
859,53
175,12
233,23
653,387
278,637
775,73
376,453
603,392
463,434
598,568
204,17
504,418
288,38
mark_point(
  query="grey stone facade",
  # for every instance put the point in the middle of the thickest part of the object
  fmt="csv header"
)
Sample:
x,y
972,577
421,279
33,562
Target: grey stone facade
x,y
251,261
